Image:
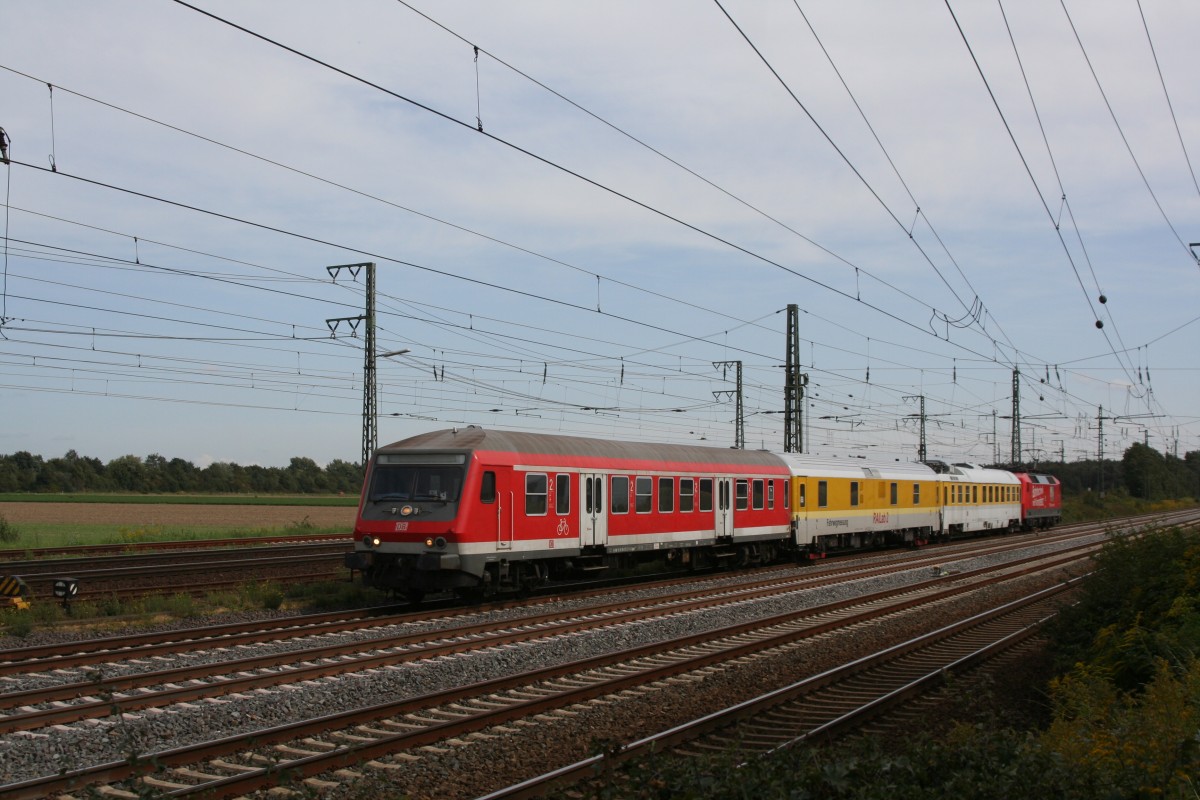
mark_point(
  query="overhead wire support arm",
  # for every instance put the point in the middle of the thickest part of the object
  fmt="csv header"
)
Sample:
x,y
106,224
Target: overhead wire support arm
x,y
739,433
336,323
922,450
370,408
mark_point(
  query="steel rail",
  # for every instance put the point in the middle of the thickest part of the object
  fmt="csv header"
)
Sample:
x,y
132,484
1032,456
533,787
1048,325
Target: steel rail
x,y
73,654
680,734
315,663
688,654
84,550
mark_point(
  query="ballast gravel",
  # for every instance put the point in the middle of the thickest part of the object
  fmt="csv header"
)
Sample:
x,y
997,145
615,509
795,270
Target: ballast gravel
x,y
25,755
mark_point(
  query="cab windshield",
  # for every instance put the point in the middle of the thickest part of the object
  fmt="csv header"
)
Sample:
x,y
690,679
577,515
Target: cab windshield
x,y
415,483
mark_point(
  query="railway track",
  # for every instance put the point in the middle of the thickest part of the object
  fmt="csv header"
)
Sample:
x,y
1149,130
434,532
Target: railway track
x,y
828,704
76,654
332,742
92,550
182,571
250,682
100,696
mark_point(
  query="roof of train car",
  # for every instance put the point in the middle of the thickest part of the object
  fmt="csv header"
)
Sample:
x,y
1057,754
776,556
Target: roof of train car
x,y
546,444
982,474
802,464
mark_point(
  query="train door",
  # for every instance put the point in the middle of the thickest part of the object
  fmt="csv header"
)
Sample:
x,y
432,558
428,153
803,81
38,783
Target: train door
x,y
506,504
724,507
943,501
593,514
799,503
493,522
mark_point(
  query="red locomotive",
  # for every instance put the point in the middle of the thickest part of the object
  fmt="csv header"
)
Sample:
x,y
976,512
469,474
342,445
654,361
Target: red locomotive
x,y
1041,500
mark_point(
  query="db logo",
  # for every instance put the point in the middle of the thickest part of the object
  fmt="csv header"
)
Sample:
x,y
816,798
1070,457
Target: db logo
x,y
563,528
401,526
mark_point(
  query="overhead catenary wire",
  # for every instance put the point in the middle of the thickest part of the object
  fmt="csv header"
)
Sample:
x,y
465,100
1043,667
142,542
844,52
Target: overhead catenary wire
x,y
424,268
375,198
1121,131
496,344
598,277
507,337
1167,96
1037,188
554,165
855,170
1054,166
641,142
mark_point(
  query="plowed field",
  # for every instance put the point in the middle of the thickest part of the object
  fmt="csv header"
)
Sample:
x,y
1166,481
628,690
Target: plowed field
x,y
144,514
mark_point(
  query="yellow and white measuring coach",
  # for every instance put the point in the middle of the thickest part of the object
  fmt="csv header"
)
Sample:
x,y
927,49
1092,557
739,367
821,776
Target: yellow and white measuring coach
x,y
846,503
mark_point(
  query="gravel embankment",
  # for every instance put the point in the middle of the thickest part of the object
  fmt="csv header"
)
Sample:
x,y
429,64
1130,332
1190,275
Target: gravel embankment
x,y
489,763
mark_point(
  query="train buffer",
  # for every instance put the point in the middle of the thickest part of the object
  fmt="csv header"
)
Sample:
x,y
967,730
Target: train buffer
x,y
14,592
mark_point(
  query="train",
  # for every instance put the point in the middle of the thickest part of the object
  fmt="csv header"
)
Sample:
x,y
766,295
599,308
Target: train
x,y
483,513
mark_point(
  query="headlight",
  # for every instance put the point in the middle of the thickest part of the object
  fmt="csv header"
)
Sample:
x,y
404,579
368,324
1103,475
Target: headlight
x,y
439,542
371,541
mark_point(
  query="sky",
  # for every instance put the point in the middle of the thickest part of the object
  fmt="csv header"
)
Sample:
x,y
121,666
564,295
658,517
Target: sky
x,y
584,216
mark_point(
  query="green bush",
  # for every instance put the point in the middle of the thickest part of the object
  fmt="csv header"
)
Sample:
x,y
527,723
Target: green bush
x,y
113,606
47,612
267,595
181,605
223,599
1140,744
8,532
334,595
1140,606
975,762
18,623
271,599
85,610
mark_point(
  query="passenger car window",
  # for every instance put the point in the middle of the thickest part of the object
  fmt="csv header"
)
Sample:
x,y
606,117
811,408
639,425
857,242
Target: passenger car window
x,y
666,495
562,493
643,487
620,494
535,493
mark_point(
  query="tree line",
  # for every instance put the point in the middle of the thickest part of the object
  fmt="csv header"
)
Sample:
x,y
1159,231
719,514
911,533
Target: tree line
x,y
154,474
1142,472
